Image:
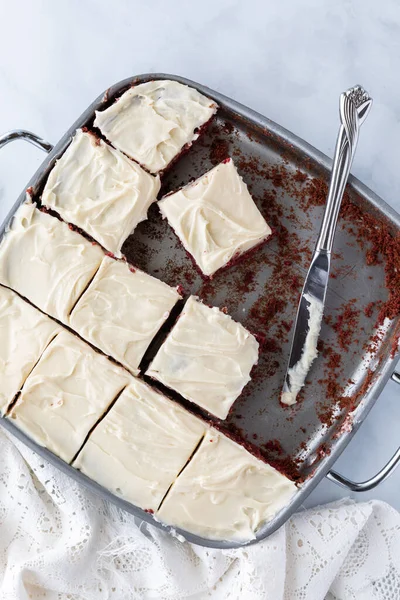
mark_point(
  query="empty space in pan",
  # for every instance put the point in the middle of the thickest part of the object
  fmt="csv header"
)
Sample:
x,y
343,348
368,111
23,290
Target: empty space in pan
x,y
261,291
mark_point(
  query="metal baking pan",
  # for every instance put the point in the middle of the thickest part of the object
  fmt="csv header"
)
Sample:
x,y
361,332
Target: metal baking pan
x,y
286,437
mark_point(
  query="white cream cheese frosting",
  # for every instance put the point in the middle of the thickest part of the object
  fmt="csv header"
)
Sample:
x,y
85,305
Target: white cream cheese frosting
x,y
139,448
153,121
100,190
122,310
207,358
67,392
24,335
298,373
46,262
215,217
225,493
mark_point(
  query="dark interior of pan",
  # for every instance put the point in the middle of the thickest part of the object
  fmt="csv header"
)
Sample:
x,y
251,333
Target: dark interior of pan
x,y
261,291
287,179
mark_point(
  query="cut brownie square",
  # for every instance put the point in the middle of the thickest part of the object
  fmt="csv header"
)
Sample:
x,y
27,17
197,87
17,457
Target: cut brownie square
x,y
153,122
122,310
215,218
46,262
66,394
98,189
24,335
139,448
207,358
225,493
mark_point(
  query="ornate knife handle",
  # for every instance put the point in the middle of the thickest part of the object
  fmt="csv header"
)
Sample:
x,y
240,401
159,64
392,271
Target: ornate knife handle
x,y
354,107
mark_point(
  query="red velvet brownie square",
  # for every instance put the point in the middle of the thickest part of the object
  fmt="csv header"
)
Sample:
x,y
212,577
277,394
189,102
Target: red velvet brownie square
x,y
215,218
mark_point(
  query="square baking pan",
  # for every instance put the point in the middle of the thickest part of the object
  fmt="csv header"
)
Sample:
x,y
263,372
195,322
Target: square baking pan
x,y
287,178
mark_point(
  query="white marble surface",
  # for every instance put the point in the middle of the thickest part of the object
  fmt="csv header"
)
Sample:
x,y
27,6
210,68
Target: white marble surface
x,y
289,60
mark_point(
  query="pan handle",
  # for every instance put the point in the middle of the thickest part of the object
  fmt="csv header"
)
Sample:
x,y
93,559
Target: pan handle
x,y
396,377
27,136
369,484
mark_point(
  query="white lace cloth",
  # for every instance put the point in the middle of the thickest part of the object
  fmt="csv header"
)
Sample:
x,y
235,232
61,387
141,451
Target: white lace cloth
x,y
58,541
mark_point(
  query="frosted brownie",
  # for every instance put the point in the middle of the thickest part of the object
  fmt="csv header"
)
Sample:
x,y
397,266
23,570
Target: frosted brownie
x,y
24,334
207,358
225,493
46,262
139,448
122,310
100,190
215,218
66,394
153,122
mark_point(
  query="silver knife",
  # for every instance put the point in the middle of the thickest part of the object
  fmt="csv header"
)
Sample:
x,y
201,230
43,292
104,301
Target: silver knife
x,y
354,107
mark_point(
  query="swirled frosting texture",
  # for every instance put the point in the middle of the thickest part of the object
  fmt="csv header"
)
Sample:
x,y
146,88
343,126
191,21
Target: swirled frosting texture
x,y
122,310
66,394
100,190
207,358
46,262
141,445
225,493
24,334
153,121
215,217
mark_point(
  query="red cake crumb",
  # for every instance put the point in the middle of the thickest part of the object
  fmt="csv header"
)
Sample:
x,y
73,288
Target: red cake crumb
x,y
266,310
375,341
346,324
287,325
149,510
369,309
270,345
300,177
335,360
248,283
316,190
219,151
274,446
383,247
189,277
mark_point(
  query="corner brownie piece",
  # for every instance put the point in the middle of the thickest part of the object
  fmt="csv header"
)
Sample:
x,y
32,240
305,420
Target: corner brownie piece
x,y
153,122
66,394
139,448
122,310
215,217
225,493
24,335
46,262
98,189
207,358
